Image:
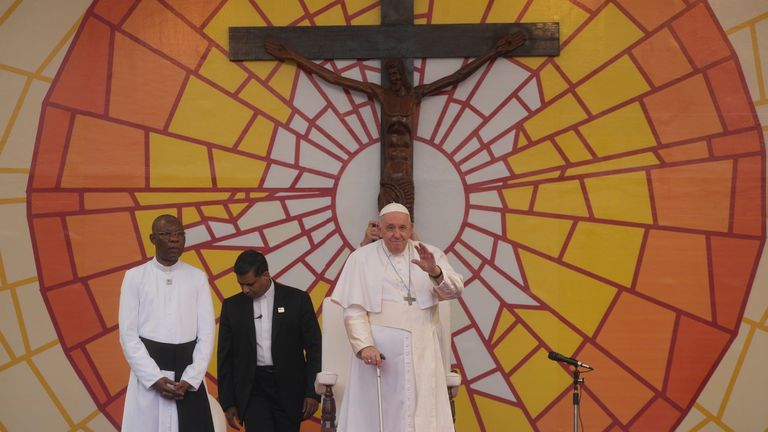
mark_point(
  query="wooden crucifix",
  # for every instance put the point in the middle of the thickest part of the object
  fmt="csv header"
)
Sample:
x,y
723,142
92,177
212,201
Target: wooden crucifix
x,y
397,41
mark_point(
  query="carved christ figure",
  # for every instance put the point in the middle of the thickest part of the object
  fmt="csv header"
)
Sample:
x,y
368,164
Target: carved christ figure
x,y
398,106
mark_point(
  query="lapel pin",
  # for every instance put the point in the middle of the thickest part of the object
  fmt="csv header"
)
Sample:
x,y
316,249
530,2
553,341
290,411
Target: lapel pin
x,y
280,309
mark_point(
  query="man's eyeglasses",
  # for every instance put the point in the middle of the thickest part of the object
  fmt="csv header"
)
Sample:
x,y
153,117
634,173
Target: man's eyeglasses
x,y
167,235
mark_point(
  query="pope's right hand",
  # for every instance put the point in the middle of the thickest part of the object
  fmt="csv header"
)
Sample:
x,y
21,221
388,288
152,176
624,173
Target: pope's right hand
x,y
232,419
370,356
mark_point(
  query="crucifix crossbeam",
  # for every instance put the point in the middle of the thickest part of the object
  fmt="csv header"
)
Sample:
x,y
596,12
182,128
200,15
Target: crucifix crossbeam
x,y
392,40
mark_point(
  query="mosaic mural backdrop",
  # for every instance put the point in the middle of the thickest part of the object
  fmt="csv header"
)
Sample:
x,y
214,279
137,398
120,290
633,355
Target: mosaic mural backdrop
x,y
608,204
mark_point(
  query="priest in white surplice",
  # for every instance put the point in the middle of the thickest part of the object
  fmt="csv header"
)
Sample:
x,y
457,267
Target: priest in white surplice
x,y
389,290
166,332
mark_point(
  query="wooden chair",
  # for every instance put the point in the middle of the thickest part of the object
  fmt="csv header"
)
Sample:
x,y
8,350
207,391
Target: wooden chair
x,y
337,354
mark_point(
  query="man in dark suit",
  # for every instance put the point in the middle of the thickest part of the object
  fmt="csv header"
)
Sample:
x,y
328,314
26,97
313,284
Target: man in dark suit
x,y
269,351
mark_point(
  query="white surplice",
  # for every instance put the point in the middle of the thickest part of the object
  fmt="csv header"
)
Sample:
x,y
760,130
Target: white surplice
x,y
414,393
170,305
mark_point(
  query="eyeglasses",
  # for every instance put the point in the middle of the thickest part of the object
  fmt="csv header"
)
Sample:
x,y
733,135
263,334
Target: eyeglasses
x,y
167,235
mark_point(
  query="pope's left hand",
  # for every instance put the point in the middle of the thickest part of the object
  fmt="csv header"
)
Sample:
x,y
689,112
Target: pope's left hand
x,y
310,406
426,260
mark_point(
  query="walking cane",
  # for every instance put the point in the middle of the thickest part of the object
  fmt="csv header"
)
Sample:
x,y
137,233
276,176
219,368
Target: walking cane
x,y
378,389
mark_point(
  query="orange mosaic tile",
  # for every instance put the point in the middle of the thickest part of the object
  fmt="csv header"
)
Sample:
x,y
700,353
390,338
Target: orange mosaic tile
x,y
683,111
87,165
75,313
700,35
195,11
83,83
106,292
685,152
110,236
732,99
108,358
114,410
697,345
113,10
694,196
659,416
661,45
52,202
651,328
104,200
51,142
51,246
747,142
732,263
622,393
134,66
160,28
748,212
674,270
89,375
652,13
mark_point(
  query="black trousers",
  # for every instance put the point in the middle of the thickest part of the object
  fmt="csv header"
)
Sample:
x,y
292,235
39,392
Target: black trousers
x,y
264,412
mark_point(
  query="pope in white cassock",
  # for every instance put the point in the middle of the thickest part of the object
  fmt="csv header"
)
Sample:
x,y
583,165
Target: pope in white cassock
x,y
166,332
389,290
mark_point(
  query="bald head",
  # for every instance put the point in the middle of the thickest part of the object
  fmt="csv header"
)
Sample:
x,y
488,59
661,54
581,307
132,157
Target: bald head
x,y
163,219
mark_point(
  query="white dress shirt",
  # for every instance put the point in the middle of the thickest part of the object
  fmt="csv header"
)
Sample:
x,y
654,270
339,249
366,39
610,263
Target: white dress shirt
x,y
262,321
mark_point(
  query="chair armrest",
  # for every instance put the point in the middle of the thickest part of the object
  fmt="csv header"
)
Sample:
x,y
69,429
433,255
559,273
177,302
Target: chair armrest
x,y
453,381
323,379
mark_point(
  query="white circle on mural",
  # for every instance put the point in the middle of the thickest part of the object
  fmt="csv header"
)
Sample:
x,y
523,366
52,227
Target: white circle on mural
x,y
440,198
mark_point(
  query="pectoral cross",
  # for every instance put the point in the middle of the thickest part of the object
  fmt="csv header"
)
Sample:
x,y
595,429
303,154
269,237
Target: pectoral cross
x,y
409,299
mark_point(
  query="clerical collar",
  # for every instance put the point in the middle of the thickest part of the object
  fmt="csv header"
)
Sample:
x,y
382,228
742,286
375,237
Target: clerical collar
x,y
167,271
166,268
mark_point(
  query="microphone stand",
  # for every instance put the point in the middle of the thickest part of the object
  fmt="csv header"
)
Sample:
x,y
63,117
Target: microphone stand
x,y
577,380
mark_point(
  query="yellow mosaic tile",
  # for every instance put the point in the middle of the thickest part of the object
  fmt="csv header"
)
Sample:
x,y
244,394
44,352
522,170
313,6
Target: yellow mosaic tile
x,y
622,197
610,251
177,163
619,82
537,389
236,171
584,302
541,233
209,115
605,36
620,131
565,197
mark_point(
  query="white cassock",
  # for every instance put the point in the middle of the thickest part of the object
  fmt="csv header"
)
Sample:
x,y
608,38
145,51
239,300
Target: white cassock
x,y
372,288
170,305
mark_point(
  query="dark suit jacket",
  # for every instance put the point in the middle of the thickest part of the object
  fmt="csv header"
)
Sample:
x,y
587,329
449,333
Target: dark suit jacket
x,y
294,332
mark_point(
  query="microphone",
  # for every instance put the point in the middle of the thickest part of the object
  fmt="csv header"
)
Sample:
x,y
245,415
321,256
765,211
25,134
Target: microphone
x,y
259,317
573,362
